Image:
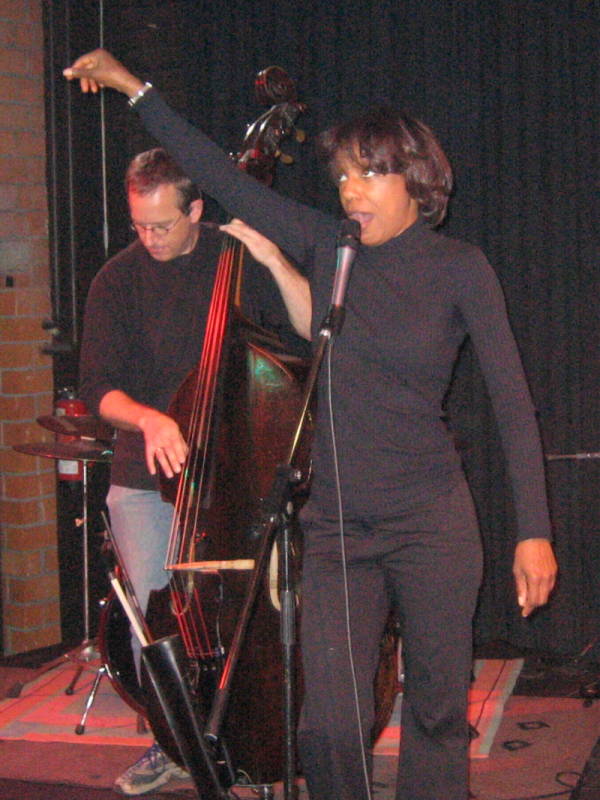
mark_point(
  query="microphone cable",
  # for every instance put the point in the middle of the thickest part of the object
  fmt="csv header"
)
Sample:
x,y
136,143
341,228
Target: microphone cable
x,y
345,569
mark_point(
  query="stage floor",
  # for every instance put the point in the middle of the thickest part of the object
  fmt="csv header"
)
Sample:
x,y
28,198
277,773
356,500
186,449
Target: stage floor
x,y
536,737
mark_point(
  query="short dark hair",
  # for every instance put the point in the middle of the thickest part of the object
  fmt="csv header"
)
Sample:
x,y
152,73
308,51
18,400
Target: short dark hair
x,y
395,142
153,168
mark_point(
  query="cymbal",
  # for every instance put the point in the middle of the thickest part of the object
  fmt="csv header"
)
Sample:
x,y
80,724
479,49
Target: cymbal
x,y
78,450
86,425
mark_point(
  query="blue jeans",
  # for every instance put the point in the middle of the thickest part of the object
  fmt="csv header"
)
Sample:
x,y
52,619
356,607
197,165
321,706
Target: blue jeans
x,y
140,521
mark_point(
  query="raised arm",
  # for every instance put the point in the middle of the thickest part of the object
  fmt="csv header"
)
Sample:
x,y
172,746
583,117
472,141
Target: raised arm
x,y
98,69
295,227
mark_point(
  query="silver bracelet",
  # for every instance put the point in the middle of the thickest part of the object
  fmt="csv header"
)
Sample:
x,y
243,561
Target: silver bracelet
x,y
138,95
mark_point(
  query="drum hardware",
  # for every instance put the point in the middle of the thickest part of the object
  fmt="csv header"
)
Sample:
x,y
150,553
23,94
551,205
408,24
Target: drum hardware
x,y
85,451
114,641
122,589
117,678
80,450
572,456
86,426
590,691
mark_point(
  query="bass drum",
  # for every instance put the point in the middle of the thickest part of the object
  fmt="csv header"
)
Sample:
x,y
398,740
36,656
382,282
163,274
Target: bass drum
x,y
114,642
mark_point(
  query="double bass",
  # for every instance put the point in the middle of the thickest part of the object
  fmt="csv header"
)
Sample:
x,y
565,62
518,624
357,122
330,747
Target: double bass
x,y
237,410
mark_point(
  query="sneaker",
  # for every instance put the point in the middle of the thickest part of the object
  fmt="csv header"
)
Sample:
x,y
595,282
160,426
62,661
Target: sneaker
x,y
152,770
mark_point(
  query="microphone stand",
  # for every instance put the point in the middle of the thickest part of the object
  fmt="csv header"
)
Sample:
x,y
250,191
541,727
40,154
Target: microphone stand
x,y
275,516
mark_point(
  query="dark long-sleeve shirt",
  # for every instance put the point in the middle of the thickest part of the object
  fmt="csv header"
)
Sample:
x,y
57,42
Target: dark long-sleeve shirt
x,y
144,328
412,302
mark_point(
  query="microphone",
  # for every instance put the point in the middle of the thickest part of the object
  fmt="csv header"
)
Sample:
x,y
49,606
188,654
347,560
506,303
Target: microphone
x,y
347,243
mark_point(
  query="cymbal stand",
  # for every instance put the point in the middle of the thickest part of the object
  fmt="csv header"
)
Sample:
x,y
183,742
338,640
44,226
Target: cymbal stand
x,y
86,651
121,584
85,450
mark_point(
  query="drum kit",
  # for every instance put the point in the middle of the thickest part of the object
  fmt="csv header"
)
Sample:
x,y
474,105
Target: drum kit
x,y
84,440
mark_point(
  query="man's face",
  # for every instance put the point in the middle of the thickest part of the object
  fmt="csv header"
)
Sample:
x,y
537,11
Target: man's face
x,y
164,230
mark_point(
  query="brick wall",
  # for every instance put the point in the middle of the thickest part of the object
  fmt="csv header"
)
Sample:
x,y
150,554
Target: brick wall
x,y
30,591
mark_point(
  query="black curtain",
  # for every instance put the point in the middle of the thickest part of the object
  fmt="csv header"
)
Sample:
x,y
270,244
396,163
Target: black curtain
x,y
512,90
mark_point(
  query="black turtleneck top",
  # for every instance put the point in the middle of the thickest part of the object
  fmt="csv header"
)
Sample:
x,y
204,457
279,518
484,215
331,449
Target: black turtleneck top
x,y
410,305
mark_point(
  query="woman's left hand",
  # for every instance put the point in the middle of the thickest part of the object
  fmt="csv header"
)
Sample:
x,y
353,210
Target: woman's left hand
x,y
293,286
99,68
262,249
535,571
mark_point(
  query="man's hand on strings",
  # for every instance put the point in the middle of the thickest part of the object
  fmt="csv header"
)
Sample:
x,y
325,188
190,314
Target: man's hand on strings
x,y
535,571
98,69
164,443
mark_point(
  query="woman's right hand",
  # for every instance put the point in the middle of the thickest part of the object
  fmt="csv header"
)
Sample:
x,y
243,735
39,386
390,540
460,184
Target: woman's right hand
x,y
99,68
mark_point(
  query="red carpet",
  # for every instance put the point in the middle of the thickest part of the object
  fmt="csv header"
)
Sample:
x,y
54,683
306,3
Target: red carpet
x,y
44,713
493,684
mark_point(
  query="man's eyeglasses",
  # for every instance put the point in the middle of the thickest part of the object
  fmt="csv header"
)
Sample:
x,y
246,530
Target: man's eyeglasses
x,y
157,230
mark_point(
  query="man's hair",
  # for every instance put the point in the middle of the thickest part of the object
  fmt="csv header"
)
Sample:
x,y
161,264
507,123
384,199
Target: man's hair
x,y
390,142
154,168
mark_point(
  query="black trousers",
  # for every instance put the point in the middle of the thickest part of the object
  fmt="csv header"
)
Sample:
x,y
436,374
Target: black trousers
x,y
427,563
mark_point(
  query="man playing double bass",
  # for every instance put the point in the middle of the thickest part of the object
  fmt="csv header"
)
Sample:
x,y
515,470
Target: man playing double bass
x,y
143,330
